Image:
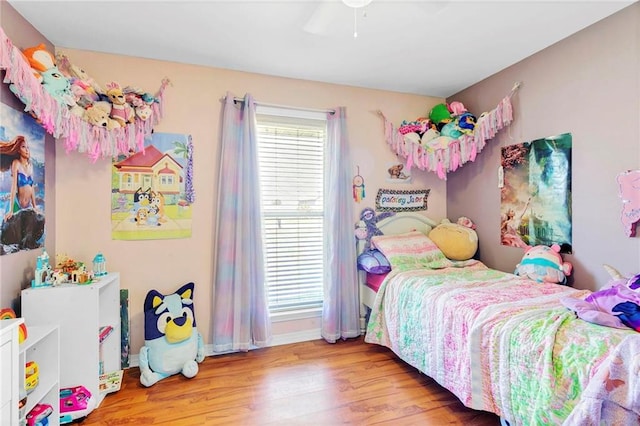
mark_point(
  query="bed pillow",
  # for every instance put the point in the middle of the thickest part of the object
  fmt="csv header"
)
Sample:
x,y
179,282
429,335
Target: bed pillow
x,y
412,250
374,262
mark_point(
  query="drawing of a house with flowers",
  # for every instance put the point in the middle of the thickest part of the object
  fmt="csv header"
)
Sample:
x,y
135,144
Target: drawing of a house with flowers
x,y
148,191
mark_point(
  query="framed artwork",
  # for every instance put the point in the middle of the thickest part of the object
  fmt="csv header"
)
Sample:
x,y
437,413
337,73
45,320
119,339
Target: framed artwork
x,y
22,189
149,197
536,193
391,200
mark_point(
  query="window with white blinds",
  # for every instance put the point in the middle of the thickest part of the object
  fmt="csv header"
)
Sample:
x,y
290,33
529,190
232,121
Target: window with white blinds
x,y
291,168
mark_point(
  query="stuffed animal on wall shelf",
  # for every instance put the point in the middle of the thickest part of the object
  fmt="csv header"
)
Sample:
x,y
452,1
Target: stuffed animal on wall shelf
x,y
172,343
121,111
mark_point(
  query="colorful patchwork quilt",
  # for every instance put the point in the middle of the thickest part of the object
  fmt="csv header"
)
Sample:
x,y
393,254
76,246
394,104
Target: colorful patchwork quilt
x,y
505,344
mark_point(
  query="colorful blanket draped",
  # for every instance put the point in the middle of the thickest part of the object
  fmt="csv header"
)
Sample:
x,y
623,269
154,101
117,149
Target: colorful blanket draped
x,y
502,343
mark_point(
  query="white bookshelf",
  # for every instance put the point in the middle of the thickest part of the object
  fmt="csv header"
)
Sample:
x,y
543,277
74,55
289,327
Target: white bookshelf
x,y
42,346
80,310
10,371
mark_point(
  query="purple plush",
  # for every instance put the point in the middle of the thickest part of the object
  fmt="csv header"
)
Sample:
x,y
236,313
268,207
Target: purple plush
x,y
617,305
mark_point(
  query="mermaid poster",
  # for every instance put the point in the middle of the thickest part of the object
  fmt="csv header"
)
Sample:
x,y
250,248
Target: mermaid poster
x,y
536,193
21,182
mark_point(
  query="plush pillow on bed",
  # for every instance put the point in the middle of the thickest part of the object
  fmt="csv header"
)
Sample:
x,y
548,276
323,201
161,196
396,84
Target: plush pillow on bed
x,y
374,262
412,250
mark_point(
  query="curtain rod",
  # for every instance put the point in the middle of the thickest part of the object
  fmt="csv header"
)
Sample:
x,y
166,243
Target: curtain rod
x,y
330,111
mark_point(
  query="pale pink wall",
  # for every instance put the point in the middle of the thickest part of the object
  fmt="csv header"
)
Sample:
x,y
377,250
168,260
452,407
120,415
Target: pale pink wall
x,y
16,269
588,85
193,107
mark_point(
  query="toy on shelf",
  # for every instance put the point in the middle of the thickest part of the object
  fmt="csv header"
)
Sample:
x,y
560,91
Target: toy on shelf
x,y
42,277
31,376
75,403
8,313
99,265
39,415
68,270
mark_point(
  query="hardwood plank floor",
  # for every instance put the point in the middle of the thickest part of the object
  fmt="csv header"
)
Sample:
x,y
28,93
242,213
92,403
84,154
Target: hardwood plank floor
x,y
309,383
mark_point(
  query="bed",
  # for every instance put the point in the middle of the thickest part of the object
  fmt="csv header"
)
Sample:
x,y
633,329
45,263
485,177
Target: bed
x,y
502,343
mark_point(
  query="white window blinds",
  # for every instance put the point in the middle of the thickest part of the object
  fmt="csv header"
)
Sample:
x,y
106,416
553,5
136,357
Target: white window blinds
x,y
291,163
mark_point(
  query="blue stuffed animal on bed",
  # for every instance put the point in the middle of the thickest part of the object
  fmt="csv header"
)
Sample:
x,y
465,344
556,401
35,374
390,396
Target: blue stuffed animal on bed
x,y
172,343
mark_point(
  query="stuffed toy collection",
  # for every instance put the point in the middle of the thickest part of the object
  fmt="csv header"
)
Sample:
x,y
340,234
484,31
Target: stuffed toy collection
x,y
72,86
445,123
616,305
172,343
544,264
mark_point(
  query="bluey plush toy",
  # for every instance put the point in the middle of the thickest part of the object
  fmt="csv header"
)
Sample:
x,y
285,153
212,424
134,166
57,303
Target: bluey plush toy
x,y
172,344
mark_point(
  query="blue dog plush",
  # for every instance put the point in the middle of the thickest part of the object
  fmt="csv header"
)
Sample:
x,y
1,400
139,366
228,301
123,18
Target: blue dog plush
x,y
172,343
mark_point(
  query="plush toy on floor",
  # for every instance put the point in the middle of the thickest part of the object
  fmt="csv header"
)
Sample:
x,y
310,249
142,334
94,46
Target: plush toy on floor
x,y
172,343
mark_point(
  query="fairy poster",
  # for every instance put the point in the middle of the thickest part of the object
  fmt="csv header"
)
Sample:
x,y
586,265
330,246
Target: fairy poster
x,y
536,193
22,219
151,190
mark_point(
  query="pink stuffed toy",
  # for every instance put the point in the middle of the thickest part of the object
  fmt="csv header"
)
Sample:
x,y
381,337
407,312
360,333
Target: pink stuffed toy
x,y
544,264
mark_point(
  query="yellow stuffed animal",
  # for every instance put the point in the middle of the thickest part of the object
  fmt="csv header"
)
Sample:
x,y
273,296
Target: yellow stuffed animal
x,y
458,241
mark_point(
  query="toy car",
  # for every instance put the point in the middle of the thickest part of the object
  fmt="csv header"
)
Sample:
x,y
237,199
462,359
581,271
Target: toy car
x,y
39,414
31,376
75,403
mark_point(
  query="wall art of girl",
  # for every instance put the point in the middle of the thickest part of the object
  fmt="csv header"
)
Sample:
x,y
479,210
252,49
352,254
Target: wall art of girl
x,y
22,222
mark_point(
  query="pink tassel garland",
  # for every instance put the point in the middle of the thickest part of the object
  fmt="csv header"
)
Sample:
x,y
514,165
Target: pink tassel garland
x,y
56,119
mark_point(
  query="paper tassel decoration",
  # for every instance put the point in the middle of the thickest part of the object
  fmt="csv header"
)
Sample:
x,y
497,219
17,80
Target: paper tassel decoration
x,y
56,118
445,154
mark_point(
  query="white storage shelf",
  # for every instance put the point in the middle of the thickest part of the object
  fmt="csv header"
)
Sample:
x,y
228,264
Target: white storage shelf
x,y
42,346
9,371
80,311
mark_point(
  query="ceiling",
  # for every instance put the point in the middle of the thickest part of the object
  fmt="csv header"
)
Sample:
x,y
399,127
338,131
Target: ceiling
x,y
433,48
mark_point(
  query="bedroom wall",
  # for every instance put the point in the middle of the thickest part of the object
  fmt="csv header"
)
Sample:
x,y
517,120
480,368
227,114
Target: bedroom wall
x,y
82,188
588,85
16,269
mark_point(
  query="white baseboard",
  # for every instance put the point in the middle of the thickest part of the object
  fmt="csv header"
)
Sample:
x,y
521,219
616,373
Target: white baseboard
x,y
281,339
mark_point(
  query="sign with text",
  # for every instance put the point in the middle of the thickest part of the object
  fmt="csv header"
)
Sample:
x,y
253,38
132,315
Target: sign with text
x,y
402,200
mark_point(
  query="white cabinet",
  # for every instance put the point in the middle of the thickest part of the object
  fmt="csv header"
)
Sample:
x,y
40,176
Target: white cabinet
x,y
9,367
81,310
42,347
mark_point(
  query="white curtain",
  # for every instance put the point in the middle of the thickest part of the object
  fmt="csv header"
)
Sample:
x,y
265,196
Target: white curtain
x,y
240,311
340,309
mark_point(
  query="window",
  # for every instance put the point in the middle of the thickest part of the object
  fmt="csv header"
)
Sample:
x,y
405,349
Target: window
x,y
291,147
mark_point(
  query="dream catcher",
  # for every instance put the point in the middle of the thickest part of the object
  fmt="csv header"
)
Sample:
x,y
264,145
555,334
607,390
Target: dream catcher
x,y
358,187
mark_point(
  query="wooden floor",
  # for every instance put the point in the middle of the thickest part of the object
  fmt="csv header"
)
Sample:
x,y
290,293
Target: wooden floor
x,y
309,383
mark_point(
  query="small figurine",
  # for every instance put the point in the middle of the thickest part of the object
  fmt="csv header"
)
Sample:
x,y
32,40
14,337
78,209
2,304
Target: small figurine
x,y
43,271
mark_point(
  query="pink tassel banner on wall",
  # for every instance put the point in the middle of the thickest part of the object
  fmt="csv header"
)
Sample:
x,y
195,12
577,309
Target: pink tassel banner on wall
x,y
444,154
56,118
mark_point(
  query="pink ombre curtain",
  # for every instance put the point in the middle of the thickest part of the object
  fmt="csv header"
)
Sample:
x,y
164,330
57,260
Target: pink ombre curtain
x,y
240,311
341,306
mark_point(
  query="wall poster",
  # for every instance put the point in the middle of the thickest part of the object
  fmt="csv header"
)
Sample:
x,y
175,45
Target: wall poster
x,y
536,193
149,198
22,192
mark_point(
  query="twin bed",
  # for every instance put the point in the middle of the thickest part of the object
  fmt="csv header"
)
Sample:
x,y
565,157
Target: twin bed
x,y
499,342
